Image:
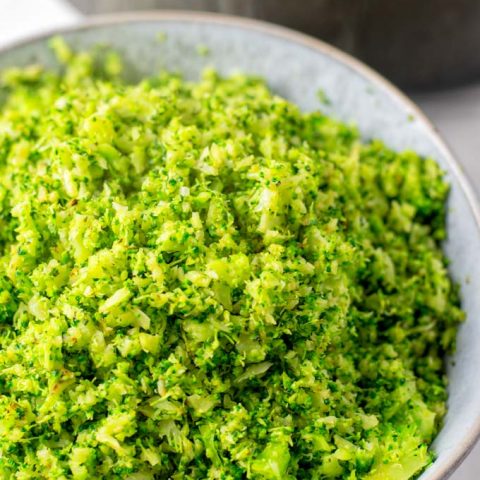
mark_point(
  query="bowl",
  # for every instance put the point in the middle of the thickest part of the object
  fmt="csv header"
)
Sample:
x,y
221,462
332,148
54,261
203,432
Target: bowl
x,y
297,67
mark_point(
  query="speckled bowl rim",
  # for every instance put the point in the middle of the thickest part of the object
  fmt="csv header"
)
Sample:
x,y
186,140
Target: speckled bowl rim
x,y
463,448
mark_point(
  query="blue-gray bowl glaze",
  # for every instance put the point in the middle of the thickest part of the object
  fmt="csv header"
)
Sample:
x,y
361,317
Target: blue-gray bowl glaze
x,y
297,67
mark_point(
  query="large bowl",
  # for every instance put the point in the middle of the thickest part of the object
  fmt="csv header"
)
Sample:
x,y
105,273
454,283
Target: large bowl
x,y
297,67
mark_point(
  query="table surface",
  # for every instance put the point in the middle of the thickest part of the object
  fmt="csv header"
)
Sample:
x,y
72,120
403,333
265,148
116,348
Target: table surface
x,y
456,113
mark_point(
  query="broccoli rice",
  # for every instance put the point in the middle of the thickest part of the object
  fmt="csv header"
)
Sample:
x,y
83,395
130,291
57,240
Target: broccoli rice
x,y
200,281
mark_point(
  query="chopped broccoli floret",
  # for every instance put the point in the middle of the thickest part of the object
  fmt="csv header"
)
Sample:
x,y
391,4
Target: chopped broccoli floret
x,y
199,281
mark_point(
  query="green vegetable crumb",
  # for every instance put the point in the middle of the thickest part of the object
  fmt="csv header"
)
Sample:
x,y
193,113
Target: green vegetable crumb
x,y
203,50
161,36
323,97
199,281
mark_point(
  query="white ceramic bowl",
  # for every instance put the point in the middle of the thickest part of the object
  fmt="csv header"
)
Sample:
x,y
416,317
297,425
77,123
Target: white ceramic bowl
x,y
297,66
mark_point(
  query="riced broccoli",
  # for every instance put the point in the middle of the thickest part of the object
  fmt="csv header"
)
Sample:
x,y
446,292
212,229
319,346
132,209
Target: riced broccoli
x,y
199,281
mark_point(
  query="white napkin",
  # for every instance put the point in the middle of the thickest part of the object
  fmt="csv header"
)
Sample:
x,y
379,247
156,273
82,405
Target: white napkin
x,y
20,18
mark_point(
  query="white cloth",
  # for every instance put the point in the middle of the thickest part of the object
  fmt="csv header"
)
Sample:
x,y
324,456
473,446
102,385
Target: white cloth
x,y
20,18
456,113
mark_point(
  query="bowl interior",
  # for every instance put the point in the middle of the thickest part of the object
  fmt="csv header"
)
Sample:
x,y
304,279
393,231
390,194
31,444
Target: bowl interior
x,y
297,67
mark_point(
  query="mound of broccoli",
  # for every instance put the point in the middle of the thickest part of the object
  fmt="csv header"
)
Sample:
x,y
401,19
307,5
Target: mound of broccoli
x,y
199,281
